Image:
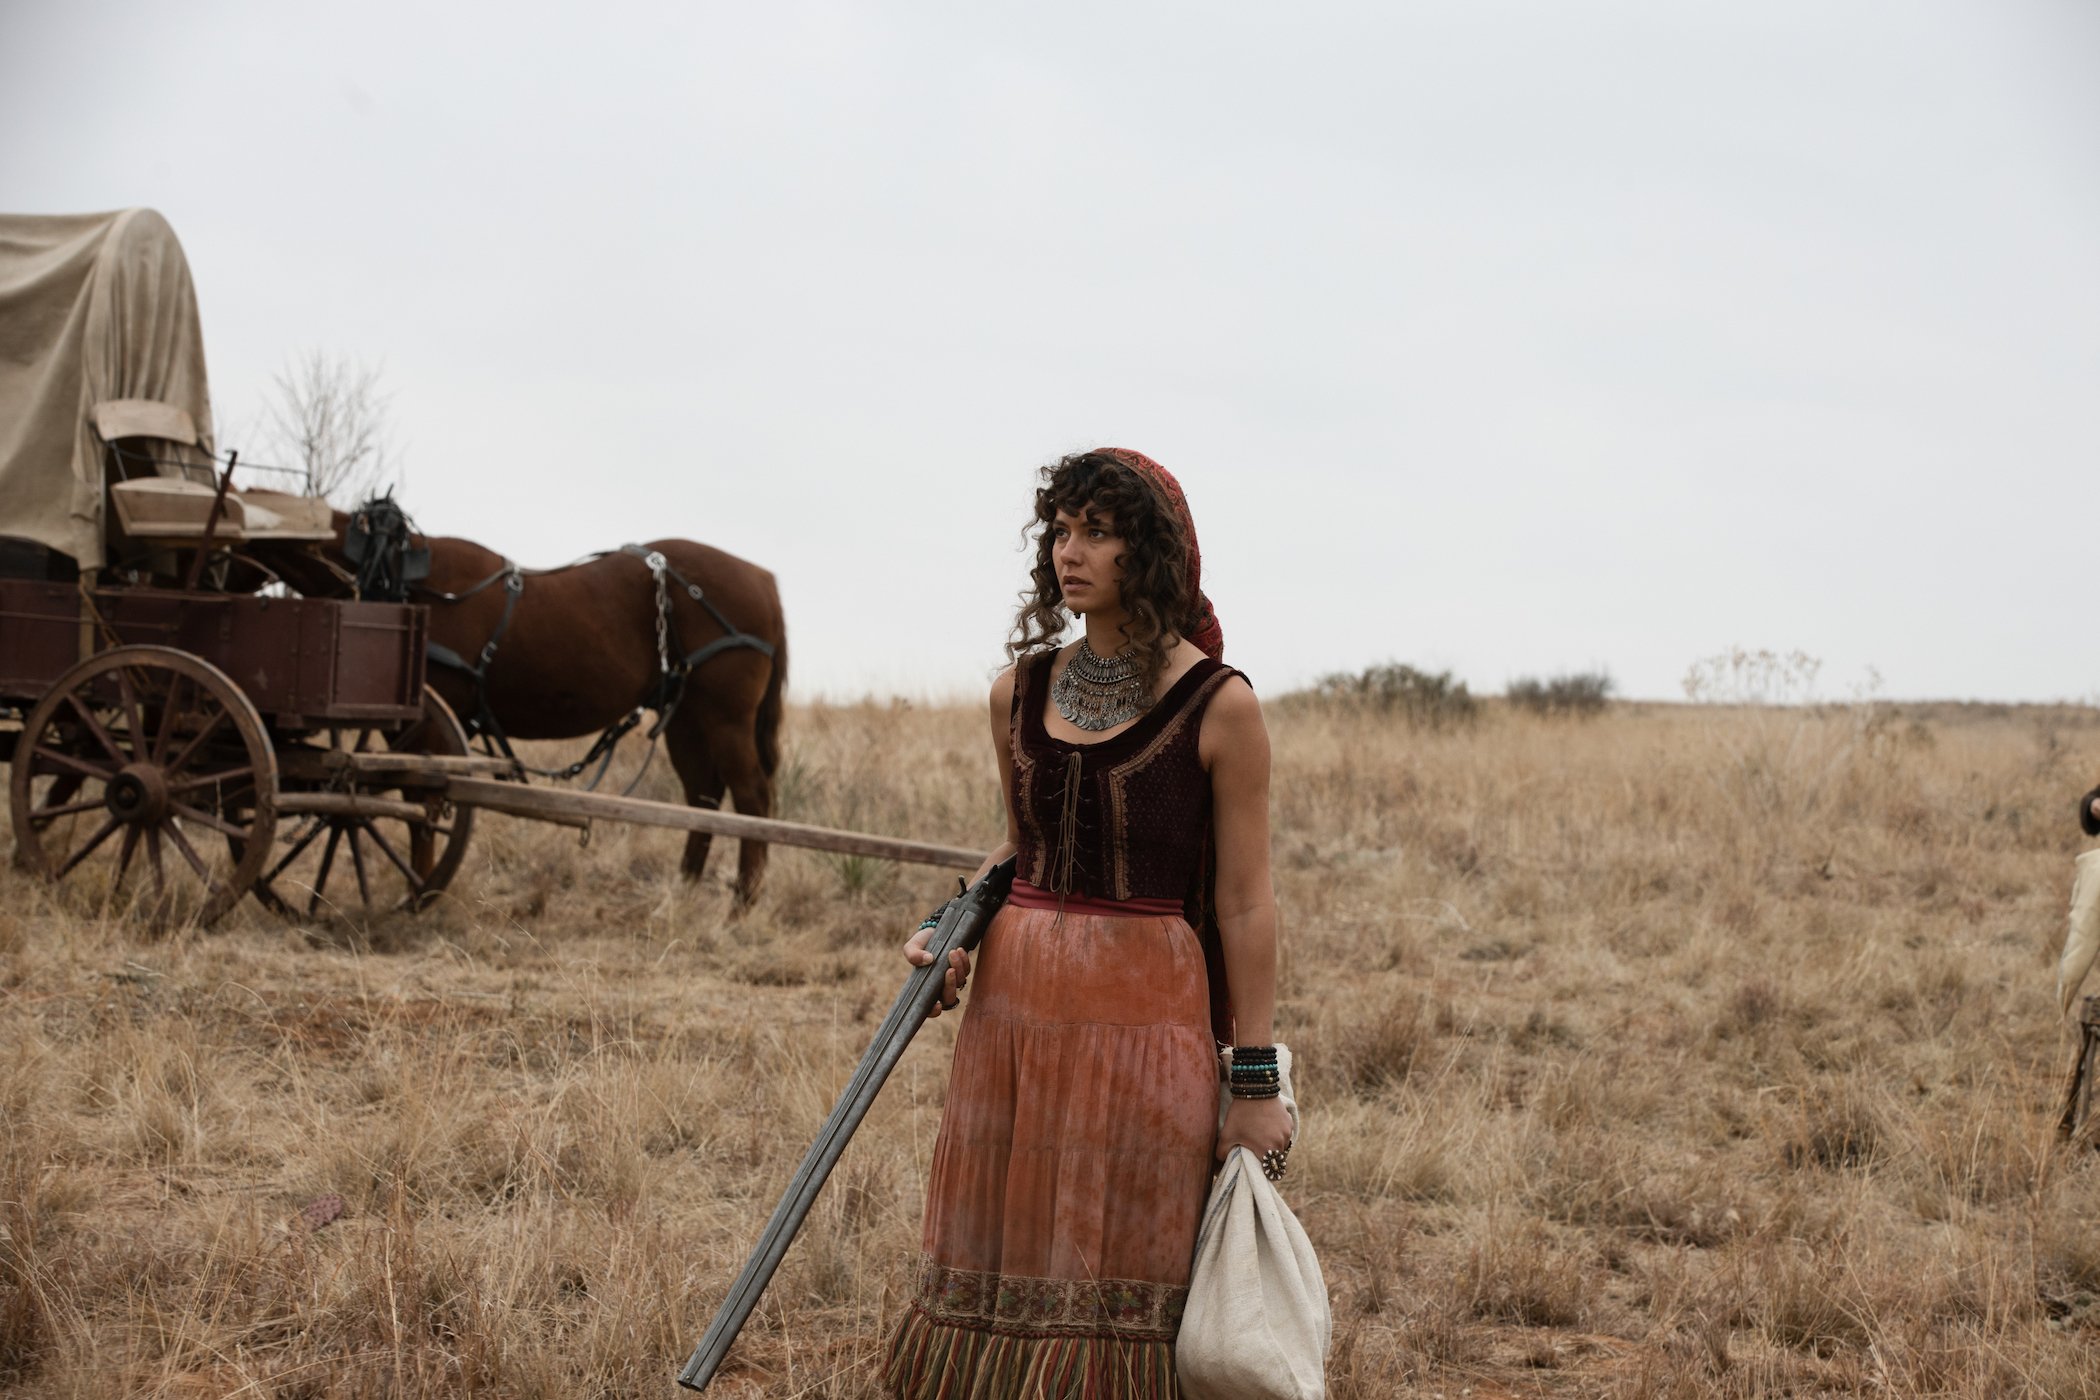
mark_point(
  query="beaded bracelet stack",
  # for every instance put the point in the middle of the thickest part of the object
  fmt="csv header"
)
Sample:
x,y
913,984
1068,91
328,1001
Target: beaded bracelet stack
x,y
1255,1072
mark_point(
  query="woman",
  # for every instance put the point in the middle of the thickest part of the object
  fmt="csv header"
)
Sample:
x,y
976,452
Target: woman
x,y
1081,1125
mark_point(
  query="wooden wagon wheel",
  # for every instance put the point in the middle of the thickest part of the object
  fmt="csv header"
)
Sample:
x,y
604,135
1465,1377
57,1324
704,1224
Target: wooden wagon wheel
x,y
127,762
378,861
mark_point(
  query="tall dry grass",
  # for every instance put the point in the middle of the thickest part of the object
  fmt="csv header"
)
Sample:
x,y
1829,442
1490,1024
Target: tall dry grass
x,y
1683,1052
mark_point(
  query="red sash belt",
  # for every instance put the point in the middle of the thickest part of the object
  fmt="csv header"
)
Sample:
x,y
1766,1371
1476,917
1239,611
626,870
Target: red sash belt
x,y
1035,897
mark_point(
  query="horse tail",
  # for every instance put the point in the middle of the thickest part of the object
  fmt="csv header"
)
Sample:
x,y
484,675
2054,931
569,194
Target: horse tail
x,y
770,704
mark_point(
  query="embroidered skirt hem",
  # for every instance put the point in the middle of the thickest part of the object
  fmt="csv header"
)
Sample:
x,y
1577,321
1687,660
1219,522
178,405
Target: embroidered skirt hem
x,y
932,1359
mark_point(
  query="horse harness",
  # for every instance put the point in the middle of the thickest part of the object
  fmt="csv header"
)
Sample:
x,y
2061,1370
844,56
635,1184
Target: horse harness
x,y
396,569
483,721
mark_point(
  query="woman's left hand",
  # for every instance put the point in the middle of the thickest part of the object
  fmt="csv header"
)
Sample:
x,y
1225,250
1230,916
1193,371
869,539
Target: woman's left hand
x,y
1261,1125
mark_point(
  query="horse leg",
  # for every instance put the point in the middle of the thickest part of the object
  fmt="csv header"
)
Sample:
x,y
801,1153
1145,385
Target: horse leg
x,y
696,768
735,754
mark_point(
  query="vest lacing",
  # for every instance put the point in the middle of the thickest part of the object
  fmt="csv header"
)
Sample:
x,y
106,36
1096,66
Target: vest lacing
x,y
1067,833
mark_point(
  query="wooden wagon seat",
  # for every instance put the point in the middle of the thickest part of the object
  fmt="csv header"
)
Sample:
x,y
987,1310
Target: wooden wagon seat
x,y
176,502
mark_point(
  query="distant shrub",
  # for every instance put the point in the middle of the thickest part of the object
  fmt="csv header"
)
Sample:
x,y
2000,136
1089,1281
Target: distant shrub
x,y
1740,676
1582,694
1433,699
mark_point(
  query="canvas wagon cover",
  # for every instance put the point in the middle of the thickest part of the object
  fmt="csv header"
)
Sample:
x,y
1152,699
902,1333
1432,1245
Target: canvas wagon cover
x,y
93,308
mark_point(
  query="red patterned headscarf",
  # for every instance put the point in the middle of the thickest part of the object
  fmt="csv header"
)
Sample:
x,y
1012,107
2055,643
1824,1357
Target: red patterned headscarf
x,y
1205,632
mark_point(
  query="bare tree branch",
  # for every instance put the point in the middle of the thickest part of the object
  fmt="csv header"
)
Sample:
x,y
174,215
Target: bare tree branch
x,y
327,415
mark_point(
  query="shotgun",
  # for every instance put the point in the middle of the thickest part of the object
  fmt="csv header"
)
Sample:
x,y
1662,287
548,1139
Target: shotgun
x,y
963,921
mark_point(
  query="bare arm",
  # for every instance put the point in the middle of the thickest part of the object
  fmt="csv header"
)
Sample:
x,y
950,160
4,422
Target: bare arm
x,y
1002,749
959,961
1235,747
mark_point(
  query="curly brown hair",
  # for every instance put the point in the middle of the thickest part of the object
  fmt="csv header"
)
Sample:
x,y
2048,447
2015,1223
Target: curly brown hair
x,y
1157,601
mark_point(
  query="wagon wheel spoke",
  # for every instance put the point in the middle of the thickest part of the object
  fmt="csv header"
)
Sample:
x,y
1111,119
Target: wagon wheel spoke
x,y
62,789
386,848
266,884
65,809
210,819
47,758
224,775
102,833
171,715
134,720
182,760
96,728
335,835
158,865
124,854
305,839
189,853
357,862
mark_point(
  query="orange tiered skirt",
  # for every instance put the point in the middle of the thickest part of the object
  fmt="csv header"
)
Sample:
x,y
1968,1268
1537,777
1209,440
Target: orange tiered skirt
x,y
1072,1165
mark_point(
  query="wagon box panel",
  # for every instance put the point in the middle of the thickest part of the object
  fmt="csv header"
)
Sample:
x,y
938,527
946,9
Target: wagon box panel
x,y
311,659
39,637
301,661
375,658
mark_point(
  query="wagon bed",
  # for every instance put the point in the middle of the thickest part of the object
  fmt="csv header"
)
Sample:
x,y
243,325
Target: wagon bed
x,y
305,663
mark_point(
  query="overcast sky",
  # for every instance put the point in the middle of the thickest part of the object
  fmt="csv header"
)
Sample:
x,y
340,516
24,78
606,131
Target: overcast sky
x,y
1505,338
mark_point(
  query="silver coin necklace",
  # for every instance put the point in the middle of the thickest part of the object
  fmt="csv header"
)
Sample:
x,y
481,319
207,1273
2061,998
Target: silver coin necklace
x,y
1095,692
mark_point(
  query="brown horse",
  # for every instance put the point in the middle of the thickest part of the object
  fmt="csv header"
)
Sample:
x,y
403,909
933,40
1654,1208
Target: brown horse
x,y
577,648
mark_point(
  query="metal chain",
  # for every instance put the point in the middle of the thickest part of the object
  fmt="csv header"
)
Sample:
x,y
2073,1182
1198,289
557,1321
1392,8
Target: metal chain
x,y
668,670
613,734
657,564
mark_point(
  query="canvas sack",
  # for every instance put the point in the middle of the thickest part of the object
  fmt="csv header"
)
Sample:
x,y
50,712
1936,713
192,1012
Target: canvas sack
x,y
1257,1325
2082,935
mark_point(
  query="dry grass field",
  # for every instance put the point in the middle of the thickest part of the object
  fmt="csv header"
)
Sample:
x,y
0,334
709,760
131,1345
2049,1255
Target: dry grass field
x,y
1686,1051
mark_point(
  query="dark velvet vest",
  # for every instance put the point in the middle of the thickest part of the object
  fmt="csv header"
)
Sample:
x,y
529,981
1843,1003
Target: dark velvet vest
x,y
1127,817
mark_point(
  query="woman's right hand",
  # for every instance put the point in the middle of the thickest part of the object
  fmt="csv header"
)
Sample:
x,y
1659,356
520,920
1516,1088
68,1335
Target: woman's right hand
x,y
958,975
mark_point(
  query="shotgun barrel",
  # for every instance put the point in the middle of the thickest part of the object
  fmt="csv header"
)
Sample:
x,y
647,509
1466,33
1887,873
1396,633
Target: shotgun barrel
x,y
962,924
